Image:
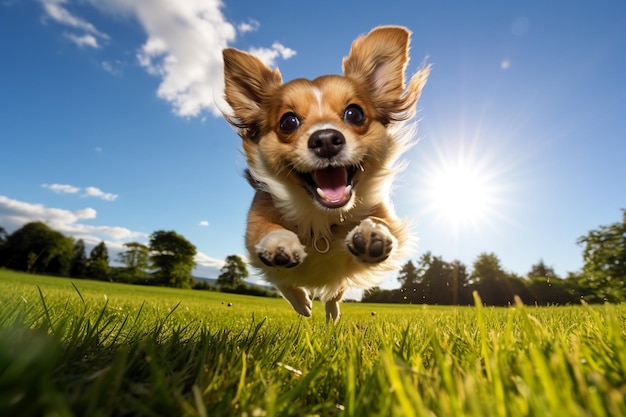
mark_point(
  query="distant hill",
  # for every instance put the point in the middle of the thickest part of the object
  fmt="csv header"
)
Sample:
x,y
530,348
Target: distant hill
x,y
213,281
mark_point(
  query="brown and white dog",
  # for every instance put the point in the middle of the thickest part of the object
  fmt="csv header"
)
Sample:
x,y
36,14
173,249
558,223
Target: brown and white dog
x,y
321,156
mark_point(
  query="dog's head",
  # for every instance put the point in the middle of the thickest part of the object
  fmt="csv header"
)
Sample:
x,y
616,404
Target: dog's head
x,y
326,143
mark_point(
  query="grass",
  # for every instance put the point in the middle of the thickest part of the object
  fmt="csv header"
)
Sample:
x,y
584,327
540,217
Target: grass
x,y
78,348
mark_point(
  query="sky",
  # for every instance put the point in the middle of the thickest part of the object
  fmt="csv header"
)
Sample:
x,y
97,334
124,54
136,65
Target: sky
x,y
110,125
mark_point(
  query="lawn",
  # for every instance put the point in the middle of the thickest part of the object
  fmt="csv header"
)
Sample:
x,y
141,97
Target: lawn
x,y
85,348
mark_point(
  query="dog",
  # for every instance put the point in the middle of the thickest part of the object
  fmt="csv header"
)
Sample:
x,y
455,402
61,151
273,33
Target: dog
x,y
321,155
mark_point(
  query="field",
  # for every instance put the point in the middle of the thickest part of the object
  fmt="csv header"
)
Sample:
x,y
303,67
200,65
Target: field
x,y
85,348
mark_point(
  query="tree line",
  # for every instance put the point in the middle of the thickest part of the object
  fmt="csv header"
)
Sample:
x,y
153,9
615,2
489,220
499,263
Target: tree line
x,y
36,248
436,281
168,260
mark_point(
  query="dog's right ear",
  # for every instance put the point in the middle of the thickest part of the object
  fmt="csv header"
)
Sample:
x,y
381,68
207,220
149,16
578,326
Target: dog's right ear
x,y
248,82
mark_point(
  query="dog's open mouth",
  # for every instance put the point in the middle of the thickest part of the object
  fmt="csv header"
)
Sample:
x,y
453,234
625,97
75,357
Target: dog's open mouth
x,y
332,186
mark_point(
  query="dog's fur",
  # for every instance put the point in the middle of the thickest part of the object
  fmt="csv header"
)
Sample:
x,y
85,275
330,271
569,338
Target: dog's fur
x,y
321,155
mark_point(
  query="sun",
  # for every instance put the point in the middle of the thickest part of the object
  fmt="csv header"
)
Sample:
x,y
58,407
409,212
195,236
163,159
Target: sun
x,y
461,193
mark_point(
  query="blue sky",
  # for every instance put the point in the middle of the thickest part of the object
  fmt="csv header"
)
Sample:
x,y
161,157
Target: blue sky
x,y
109,128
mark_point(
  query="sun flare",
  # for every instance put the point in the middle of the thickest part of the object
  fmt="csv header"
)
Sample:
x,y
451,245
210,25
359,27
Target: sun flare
x,y
461,194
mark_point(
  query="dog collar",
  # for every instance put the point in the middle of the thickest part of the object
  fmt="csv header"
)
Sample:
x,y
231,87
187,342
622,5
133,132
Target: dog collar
x,y
325,244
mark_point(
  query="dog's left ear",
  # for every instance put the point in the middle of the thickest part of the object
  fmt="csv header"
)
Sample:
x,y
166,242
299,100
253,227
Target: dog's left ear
x,y
378,60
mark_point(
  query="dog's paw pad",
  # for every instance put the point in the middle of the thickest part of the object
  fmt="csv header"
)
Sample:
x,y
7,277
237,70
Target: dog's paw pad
x,y
280,257
370,242
281,248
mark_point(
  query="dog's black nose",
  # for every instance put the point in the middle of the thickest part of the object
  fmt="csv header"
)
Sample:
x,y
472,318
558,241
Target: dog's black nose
x,y
326,143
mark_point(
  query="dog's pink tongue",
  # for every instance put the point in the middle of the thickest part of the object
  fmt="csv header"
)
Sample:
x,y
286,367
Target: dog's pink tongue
x,y
332,181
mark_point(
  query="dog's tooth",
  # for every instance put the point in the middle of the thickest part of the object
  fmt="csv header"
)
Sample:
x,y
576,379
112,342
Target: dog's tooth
x,y
322,194
348,189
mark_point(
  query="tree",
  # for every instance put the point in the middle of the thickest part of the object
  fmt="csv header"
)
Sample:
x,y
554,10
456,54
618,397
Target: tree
x,y
492,283
411,290
232,273
432,281
3,235
451,288
172,257
37,248
541,270
545,287
409,275
574,285
78,267
441,282
3,247
604,257
136,260
98,264
546,291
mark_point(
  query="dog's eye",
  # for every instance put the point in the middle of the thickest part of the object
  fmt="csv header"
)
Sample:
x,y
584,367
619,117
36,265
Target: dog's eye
x,y
289,122
354,115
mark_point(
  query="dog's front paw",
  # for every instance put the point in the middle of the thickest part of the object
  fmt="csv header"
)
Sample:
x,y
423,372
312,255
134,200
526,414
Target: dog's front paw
x,y
370,242
281,248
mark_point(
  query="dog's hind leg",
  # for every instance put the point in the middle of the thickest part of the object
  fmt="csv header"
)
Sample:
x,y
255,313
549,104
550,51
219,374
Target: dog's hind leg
x,y
332,307
298,298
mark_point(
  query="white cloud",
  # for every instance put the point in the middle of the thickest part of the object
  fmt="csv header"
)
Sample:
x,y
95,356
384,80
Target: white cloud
x,y
116,233
61,188
96,192
14,214
249,26
56,10
86,213
89,191
204,223
85,40
269,55
115,68
206,266
149,56
183,46
207,261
